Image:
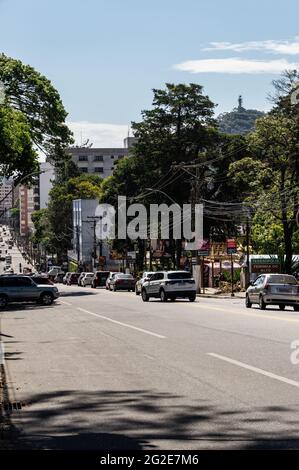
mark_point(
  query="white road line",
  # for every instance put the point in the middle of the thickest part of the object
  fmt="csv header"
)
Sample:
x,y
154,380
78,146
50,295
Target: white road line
x,y
121,324
66,303
2,353
256,369
245,313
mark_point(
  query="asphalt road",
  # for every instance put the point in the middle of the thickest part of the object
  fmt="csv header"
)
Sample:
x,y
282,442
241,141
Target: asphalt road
x,y
103,370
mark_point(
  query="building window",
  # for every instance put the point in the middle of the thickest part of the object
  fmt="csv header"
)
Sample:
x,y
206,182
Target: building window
x,y
84,169
99,169
98,158
112,156
83,158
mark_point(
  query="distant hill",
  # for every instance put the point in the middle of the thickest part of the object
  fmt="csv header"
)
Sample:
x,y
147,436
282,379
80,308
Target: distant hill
x,y
239,120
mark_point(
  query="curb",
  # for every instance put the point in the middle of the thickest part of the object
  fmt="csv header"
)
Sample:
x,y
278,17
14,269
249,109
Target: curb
x,y
219,296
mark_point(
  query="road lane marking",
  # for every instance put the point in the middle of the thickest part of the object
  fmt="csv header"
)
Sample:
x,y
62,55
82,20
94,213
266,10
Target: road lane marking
x,y
66,303
122,324
248,314
2,354
294,383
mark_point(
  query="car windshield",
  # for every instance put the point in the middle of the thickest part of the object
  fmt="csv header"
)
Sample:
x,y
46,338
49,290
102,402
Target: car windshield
x,y
179,275
281,279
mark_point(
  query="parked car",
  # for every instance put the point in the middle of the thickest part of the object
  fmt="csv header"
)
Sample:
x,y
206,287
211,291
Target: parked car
x,y
100,278
8,269
23,288
273,289
122,282
41,280
59,277
80,279
145,277
109,279
8,259
73,279
87,279
65,278
169,285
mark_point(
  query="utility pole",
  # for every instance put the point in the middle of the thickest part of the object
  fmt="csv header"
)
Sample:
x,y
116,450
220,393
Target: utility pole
x,y
94,220
247,277
195,199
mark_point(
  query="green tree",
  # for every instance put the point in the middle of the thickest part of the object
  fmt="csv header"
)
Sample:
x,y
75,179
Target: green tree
x,y
178,127
17,157
56,221
33,95
268,178
239,120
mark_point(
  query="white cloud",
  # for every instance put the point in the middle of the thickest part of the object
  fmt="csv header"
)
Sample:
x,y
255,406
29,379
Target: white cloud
x,y
235,65
100,134
273,46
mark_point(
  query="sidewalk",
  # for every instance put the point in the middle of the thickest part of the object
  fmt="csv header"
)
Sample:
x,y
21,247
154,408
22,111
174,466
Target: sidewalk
x,y
210,293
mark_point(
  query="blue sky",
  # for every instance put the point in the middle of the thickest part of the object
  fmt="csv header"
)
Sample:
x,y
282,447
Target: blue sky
x,y
104,57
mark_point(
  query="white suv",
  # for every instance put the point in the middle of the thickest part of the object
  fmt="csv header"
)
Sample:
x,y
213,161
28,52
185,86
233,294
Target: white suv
x,y
169,285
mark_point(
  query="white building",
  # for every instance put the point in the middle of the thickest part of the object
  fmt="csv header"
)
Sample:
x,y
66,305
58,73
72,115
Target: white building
x,y
46,179
100,161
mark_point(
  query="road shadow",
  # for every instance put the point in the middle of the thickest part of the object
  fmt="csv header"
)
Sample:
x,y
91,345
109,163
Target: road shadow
x,y
76,294
144,419
25,306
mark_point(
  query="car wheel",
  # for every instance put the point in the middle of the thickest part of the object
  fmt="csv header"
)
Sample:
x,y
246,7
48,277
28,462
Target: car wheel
x,y
3,301
247,302
163,296
46,299
282,307
262,303
172,299
296,308
144,296
192,298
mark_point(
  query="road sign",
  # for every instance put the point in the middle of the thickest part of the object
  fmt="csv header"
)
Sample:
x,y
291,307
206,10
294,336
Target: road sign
x,y
204,248
231,244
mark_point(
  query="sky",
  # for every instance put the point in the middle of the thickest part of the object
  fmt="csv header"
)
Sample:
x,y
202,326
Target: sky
x,y
106,56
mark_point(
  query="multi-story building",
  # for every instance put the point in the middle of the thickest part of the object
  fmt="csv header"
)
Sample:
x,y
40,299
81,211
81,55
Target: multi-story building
x,y
46,179
100,161
6,195
29,203
87,249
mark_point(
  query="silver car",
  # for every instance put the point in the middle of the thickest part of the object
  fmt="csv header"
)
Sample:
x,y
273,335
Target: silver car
x,y
145,277
22,288
273,289
87,279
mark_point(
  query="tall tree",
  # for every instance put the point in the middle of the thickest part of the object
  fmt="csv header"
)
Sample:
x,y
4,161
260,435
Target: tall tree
x,y
17,157
269,177
33,95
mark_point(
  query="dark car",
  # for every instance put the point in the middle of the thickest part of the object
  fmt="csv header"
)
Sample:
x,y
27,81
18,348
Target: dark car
x,y
100,279
73,279
23,288
41,280
122,282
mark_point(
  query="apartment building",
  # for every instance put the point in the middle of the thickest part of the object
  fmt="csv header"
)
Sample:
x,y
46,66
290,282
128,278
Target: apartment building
x,y
29,202
6,195
100,161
